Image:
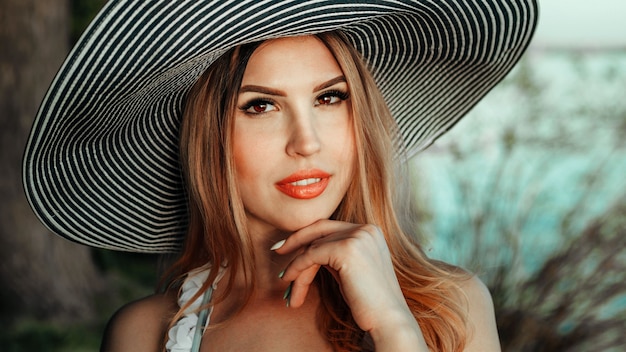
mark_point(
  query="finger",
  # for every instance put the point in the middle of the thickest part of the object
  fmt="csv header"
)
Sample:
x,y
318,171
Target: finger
x,y
343,252
305,236
315,255
301,285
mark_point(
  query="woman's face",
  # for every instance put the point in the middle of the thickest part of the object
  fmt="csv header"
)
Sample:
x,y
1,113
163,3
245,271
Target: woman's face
x,y
293,139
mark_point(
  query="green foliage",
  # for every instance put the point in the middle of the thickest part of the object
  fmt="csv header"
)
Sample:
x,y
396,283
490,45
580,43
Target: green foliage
x,y
132,275
82,12
536,201
143,268
38,336
572,298
577,300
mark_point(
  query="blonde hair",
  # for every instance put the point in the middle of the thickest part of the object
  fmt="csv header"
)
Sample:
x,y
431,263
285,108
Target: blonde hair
x,y
217,232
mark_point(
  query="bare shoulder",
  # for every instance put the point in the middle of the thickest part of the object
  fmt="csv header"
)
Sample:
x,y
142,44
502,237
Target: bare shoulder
x,y
140,325
483,333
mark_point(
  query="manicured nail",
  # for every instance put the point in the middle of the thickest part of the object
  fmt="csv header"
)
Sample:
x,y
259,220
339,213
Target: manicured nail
x,y
277,245
287,294
282,273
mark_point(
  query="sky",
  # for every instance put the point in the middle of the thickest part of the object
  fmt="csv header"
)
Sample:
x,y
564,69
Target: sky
x,y
581,24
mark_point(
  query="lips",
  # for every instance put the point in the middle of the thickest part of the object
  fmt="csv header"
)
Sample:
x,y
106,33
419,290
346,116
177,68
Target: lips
x,y
306,184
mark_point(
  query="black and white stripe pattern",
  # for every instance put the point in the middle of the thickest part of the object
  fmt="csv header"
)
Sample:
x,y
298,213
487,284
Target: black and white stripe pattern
x,y
101,166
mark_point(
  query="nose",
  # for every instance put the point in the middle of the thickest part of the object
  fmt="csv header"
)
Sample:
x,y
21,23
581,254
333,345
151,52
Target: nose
x,y
303,139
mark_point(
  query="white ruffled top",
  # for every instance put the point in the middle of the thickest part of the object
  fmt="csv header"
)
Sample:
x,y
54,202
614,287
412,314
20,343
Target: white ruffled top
x,y
186,334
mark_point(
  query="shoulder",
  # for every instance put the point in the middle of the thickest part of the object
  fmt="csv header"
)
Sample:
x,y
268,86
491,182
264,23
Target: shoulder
x,y
483,333
140,325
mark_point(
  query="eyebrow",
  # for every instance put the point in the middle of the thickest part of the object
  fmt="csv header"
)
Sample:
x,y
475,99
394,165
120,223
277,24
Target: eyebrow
x,y
278,92
330,83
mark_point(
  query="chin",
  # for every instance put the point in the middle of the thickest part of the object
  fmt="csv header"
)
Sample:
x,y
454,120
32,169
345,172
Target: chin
x,y
295,226
301,223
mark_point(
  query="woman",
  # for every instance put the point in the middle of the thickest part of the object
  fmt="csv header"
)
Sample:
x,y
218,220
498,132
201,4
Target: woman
x,y
287,150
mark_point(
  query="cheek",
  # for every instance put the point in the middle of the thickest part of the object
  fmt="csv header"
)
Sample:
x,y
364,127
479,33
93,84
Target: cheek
x,y
243,155
251,152
350,151
344,143
350,156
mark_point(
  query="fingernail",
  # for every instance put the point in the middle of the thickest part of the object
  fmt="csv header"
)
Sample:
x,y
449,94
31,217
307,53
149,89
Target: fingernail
x,y
277,245
287,294
282,273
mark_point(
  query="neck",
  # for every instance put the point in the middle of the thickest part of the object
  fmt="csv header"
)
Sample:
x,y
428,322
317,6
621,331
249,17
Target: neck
x,y
267,263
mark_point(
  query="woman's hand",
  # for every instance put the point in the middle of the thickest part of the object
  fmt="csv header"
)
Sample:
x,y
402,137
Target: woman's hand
x,y
358,257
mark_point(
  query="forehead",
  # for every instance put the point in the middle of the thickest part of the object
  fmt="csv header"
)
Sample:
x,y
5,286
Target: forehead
x,y
291,58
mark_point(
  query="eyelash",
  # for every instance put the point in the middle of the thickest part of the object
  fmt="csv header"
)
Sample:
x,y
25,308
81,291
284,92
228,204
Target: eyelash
x,y
264,101
334,93
256,102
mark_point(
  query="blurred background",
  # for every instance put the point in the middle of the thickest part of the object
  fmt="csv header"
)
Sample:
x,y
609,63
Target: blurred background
x,y
528,191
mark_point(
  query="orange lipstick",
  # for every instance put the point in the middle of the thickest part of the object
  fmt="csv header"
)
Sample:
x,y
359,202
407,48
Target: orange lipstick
x,y
305,184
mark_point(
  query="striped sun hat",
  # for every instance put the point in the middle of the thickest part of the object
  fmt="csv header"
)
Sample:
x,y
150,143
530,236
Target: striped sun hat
x,y
101,165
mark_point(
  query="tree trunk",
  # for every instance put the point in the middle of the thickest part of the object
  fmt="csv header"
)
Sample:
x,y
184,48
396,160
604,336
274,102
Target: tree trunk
x,y
41,275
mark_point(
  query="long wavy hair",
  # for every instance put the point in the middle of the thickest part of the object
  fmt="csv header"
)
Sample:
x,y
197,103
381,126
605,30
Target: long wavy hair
x,y
217,225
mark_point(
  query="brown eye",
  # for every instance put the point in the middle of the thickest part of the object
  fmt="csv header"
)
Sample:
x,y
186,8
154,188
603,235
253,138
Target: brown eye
x,y
325,100
258,107
331,97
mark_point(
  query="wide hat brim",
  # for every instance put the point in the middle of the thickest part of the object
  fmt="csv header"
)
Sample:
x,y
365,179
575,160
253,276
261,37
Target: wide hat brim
x,y
101,166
